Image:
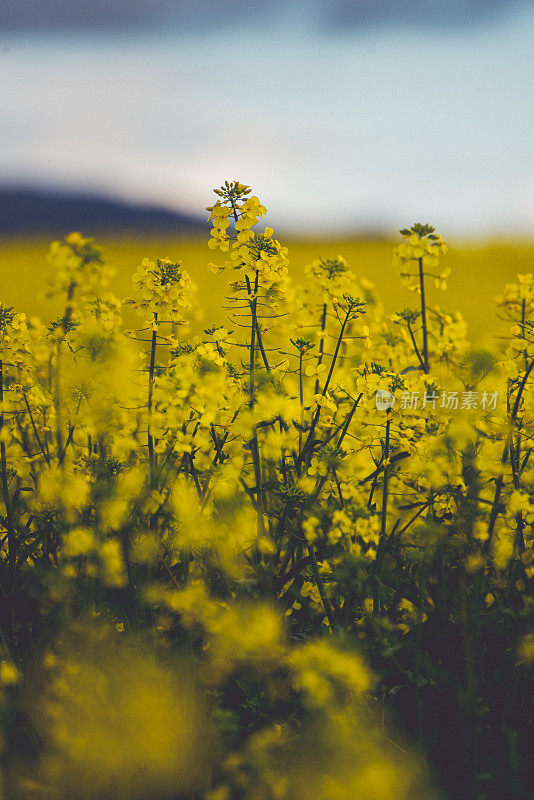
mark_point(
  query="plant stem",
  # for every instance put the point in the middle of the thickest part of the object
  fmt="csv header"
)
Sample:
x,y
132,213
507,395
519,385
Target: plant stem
x,y
262,348
423,316
309,440
252,347
11,538
151,369
65,323
321,346
320,585
383,520
507,447
252,364
301,398
35,428
418,354
57,403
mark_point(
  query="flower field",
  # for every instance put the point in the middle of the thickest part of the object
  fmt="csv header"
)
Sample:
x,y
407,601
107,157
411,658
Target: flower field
x,y
266,517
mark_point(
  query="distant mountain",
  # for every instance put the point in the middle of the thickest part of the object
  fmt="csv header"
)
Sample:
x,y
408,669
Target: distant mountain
x,y
341,14
56,213
123,14
106,15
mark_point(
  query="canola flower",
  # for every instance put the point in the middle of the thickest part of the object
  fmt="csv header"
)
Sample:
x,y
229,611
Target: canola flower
x,y
239,503
162,289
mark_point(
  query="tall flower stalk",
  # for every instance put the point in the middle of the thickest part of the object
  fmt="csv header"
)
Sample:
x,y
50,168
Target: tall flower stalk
x,y
163,295
424,247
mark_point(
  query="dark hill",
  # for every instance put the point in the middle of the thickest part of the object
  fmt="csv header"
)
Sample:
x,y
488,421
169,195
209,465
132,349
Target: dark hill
x,y
106,15
55,214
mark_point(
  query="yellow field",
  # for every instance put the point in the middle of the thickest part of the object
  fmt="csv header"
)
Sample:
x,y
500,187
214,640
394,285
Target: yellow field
x,y
479,272
226,577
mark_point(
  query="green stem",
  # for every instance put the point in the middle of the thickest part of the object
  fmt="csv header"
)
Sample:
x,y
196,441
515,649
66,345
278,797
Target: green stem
x,y
65,324
418,354
520,532
507,447
57,403
315,419
150,396
35,428
262,348
11,538
320,585
252,365
68,308
423,316
321,345
301,398
253,327
383,520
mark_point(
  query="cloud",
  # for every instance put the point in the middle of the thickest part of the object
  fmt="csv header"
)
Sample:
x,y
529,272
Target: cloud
x,y
382,127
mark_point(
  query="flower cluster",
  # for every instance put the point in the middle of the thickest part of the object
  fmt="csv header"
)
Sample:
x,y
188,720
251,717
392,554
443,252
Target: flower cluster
x,y
163,291
242,502
517,302
14,337
258,256
77,263
423,246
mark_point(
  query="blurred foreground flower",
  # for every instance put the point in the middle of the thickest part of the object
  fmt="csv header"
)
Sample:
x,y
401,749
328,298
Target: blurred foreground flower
x,y
116,724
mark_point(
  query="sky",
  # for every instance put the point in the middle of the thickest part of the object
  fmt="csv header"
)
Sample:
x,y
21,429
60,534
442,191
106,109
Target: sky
x,y
344,123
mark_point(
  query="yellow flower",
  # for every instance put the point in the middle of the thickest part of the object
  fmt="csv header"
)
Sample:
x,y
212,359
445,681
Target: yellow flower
x,y
9,674
315,371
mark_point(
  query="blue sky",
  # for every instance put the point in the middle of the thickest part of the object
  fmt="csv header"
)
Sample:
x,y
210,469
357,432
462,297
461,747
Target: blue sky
x,y
339,130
